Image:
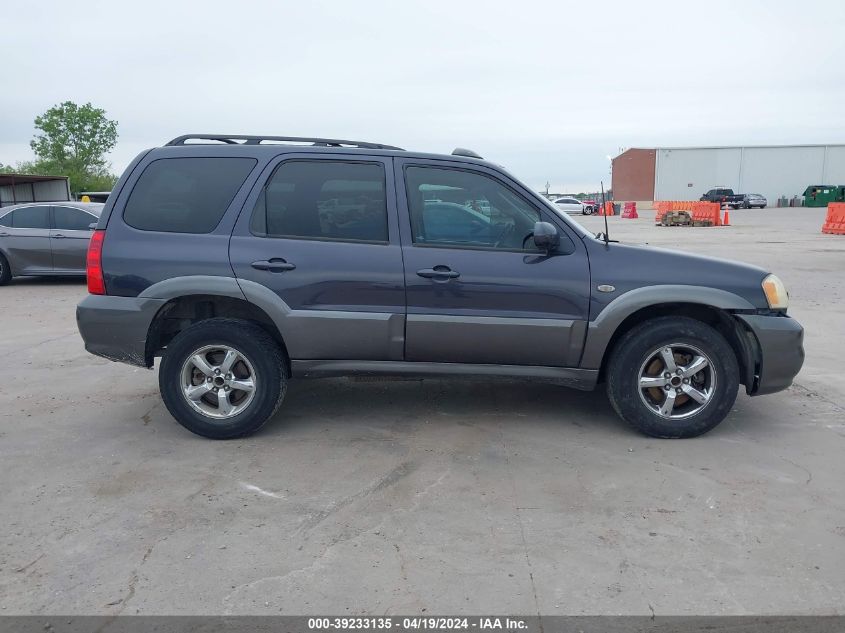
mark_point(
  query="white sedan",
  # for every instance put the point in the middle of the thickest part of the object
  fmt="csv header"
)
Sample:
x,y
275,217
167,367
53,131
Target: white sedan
x,y
573,205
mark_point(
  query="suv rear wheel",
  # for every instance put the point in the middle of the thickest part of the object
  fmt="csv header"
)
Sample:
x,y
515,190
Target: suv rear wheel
x,y
223,378
672,377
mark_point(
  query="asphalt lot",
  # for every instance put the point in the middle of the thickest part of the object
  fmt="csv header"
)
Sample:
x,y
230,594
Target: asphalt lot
x,y
432,496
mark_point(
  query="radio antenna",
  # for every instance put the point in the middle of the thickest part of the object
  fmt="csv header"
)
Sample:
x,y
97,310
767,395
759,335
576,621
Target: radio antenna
x,y
604,211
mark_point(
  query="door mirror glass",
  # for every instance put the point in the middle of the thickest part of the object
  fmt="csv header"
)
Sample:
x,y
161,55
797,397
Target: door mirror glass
x,y
546,237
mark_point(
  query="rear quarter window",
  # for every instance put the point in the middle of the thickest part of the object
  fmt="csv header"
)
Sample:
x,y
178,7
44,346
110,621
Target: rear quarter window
x,y
185,195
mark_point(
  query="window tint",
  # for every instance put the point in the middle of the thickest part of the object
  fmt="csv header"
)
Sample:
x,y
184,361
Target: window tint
x,y
185,195
71,219
452,207
324,199
29,218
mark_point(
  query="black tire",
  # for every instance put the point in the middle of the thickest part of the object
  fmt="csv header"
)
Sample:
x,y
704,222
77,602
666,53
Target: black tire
x,y
5,271
630,355
746,206
256,347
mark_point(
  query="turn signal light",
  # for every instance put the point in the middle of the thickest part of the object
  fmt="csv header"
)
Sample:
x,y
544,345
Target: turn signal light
x,y
94,264
776,293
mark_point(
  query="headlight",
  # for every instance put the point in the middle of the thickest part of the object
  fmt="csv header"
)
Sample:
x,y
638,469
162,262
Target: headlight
x,y
776,293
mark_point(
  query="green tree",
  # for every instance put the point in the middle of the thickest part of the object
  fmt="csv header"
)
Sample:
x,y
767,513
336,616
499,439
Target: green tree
x,y
73,141
22,167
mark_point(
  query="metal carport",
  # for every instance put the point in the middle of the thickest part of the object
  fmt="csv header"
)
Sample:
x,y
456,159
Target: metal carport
x,y
18,188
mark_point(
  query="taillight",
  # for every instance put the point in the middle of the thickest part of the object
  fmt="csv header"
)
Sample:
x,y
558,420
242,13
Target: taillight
x,y
94,264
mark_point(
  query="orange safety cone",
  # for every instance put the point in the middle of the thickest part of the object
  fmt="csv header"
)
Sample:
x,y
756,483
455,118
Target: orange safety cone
x,y
727,221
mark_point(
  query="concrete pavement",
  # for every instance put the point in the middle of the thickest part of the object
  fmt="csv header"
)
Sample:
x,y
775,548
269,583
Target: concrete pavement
x,y
432,496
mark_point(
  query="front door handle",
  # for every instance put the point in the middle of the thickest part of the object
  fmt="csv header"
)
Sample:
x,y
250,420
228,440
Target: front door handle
x,y
58,236
4,234
275,265
438,272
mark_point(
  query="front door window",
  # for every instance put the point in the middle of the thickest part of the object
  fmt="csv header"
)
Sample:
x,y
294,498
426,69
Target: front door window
x,y
457,208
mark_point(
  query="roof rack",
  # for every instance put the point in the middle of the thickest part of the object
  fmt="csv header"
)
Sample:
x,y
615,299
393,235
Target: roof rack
x,y
241,139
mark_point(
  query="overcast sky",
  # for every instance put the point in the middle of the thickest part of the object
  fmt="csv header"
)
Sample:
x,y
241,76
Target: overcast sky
x,y
548,89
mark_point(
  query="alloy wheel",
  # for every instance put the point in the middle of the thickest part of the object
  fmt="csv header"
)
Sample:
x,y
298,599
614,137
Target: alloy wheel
x,y
676,381
218,381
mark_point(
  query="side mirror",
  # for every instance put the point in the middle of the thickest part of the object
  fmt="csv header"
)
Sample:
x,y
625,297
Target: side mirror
x,y
546,237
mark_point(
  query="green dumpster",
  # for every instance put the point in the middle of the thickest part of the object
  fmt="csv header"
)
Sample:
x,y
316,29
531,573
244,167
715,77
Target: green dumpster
x,y
822,195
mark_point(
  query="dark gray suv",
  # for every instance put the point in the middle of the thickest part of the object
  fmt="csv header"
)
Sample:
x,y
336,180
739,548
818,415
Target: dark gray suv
x,y
245,262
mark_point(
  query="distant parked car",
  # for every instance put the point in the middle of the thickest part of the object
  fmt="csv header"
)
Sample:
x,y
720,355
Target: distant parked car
x,y
573,205
44,238
723,196
594,204
752,200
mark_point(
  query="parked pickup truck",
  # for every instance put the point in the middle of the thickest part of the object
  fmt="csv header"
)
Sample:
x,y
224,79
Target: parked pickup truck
x,y
725,197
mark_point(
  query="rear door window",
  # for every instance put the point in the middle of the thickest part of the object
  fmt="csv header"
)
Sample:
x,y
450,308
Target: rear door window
x,y
324,200
70,219
185,195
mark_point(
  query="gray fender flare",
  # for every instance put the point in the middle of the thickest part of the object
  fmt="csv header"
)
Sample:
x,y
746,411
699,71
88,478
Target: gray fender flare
x,y
160,293
176,287
602,328
249,291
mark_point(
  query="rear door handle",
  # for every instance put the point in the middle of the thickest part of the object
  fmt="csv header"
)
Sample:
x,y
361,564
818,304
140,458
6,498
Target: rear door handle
x,y
275,265
4,234
59,236
438,272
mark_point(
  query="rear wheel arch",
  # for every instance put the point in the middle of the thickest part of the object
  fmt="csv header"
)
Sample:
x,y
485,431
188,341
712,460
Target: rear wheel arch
x,y
179,313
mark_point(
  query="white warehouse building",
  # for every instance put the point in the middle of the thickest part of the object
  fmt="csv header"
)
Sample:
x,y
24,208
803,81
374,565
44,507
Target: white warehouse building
x,y
686,173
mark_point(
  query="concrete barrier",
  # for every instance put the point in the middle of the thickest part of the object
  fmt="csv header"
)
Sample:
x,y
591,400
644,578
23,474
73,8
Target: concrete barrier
x,y
834,223
711,211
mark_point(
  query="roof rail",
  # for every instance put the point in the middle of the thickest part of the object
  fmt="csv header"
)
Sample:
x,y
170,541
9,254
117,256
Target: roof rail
x,y
241,139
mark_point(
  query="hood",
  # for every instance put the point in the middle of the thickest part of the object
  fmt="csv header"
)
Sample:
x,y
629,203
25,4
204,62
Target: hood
x,y
628,266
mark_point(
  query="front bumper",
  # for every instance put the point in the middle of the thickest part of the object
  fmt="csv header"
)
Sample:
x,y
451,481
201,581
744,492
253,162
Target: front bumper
x,y
117,327
780,351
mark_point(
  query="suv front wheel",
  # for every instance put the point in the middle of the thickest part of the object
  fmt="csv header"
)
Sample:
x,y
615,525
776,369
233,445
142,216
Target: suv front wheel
x,y
672,377
223,378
